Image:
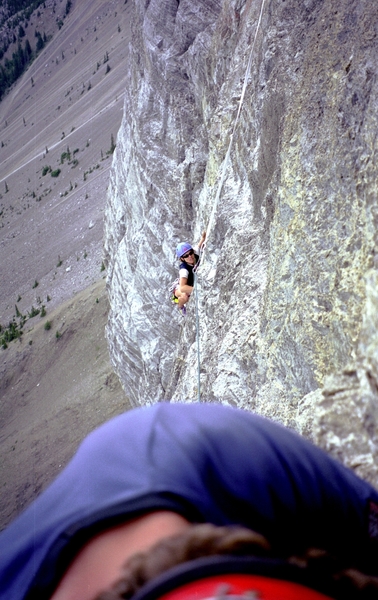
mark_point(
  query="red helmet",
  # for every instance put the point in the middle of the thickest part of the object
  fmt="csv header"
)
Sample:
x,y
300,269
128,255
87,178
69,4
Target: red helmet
x,y
235,578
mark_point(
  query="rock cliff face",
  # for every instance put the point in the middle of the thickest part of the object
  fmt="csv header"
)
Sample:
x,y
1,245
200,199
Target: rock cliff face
x,y
287,292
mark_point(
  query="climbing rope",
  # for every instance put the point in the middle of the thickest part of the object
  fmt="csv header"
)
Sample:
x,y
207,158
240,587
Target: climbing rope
x,y
218,193
236,120
196,289
198,340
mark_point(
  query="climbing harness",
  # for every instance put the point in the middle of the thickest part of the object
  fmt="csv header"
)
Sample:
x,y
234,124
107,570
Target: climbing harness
x,y
171,289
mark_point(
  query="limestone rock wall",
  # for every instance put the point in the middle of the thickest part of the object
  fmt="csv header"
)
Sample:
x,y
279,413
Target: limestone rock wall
x,y
287,292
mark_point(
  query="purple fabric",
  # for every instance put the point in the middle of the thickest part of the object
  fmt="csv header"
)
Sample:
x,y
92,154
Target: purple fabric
x,y
206,461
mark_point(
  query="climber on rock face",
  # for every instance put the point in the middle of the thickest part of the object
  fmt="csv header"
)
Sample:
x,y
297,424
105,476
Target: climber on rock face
x,y
189,258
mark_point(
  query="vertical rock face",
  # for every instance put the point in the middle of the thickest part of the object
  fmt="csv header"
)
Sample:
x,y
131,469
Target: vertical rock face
x,y
287,290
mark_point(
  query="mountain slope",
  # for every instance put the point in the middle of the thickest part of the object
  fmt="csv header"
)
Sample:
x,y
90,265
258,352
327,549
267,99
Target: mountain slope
x,y
57,383
61,115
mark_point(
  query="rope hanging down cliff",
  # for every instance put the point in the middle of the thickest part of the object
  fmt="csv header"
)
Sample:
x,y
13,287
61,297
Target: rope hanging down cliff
x,y
236,120
217,196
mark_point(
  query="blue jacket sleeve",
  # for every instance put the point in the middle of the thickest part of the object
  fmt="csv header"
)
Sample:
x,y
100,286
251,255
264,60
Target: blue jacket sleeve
x,y
208,462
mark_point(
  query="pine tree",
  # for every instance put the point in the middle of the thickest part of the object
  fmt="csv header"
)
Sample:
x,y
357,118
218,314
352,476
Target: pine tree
x,y
27,51
40,43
